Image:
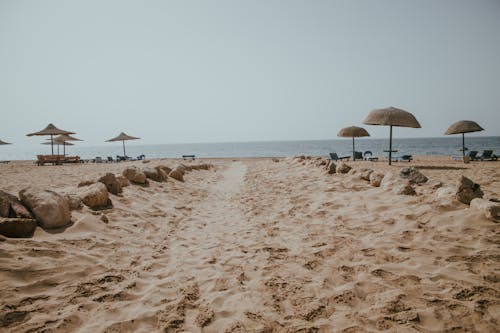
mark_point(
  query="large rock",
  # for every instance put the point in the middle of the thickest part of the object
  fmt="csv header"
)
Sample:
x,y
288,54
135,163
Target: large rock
x,y
181,168
490,209
343,168
111,183
95,196
165,168
389,180
153,174
135,175
366,173
51,210
10,206
466,190
376,178
124,182
445,194
332,168
413,175
404,189
162,173
17,227
177,175
74,201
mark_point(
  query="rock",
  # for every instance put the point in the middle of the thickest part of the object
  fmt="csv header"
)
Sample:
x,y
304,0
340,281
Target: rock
x,y
86,182
466,190
104,218
2,238
177,175
186,167
145,161
74,201
404,189
165,168
51,210
162,173
365,174
111,183
490,209
181,168
343,168
135,175
332,168
413,175
10,206
124,182
376,178
205,166
153,174
14,227
275,160
95,196
389,180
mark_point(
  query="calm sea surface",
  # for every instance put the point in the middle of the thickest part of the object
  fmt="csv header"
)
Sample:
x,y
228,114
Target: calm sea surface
x,y
415,146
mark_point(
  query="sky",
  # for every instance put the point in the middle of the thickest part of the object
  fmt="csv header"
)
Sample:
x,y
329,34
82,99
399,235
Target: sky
x,y
220,71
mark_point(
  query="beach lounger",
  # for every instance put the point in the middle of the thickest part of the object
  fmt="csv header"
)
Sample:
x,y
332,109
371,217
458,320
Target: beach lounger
x,y
188,157
488,156
369,156
141,157
358,155
72,159
472,155
4,162
335,157
408,158
98,159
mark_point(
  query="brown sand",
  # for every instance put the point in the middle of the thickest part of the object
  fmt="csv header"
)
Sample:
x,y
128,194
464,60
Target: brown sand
x,y
257,246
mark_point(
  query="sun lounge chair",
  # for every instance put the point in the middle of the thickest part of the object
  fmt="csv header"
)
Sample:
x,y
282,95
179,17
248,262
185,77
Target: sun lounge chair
x,y
4,162
98,159
358,155
369,156
408,158
141,157
488,155
71,159
110,159
335,157
472,155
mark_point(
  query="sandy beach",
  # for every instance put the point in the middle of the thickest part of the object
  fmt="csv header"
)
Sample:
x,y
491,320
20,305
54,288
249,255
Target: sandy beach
x,y
257,245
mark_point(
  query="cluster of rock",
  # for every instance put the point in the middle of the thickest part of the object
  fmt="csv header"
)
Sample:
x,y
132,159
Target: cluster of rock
x,y
50,210
403,183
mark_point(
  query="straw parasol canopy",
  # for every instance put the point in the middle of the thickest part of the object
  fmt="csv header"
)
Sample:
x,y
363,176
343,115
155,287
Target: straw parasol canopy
x,y
462,127
391,116
4,143
123,137
65,138
354,132
51,130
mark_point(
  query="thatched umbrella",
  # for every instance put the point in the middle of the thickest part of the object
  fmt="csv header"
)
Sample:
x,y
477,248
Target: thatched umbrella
x,y
462,127
391,116
354,132
51,130
4,143
65,138
58,143
122,137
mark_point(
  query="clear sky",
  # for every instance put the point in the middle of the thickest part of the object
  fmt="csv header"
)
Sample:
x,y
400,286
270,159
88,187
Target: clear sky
x,y
216,71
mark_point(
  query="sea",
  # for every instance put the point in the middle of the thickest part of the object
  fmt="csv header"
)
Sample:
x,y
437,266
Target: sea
x,y
412,146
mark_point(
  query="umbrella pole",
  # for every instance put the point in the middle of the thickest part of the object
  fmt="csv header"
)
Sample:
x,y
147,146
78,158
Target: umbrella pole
x,y
124,155
353,158
463,144
390,145
57,149
64,149
52,144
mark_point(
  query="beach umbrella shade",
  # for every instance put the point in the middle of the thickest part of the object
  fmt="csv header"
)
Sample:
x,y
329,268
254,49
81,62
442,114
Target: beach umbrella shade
x,y
4,143
391,116
65,138
462,127
51,130
354,132
123,137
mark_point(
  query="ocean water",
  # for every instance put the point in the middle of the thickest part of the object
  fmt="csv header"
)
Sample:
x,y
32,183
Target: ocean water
x,y
414,146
